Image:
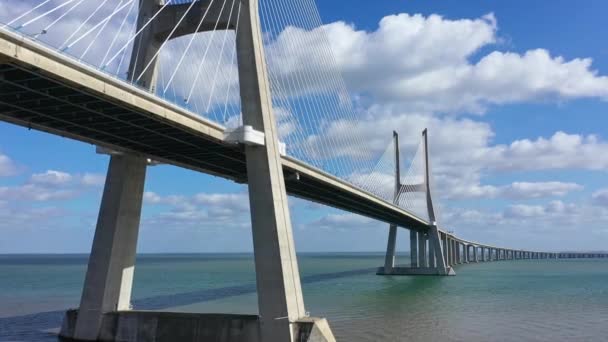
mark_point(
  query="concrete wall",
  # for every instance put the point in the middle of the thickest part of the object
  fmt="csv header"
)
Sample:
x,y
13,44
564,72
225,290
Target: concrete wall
x,y
155,326
139,326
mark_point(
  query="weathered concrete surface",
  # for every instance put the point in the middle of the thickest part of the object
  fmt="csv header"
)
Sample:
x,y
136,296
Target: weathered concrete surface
x,y
155,326
109,276
312,329
280,300
389,259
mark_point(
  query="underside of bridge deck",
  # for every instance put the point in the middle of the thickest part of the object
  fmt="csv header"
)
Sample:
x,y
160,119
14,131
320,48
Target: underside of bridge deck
x,y
35,99
30,99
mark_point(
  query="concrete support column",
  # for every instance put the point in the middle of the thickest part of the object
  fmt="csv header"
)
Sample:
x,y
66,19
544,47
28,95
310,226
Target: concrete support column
x,y
444,245
462,252
422,249
413,248
475,254
455,251
431,256
450,248
389,259
280,300
109,277
459,251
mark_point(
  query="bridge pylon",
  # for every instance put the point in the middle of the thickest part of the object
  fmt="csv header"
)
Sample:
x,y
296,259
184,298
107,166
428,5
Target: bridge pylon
x,y
428,249
105,310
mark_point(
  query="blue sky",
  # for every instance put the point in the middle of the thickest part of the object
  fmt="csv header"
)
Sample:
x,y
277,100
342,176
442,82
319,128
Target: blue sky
x,y
521,160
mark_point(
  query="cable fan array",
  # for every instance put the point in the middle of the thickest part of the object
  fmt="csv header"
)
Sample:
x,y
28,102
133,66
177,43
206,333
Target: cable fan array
x,y
197,71
315,114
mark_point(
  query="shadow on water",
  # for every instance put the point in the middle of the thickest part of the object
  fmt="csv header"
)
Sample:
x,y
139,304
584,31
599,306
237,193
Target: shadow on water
x,y
32,327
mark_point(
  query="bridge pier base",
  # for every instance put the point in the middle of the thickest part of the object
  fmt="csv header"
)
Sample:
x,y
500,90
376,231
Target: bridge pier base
x,y
109,276
428,256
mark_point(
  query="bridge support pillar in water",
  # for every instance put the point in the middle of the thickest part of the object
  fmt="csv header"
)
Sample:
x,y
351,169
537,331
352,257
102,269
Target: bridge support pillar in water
x,y
280,300
109,276
427,248
413,248
105,306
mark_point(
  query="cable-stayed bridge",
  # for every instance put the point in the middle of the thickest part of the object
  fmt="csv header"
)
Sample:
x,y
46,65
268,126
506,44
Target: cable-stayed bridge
x,y
242,90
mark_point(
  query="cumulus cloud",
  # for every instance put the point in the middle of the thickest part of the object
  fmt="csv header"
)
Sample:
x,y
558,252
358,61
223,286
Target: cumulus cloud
x,y
211,210
34,192
560,151
426,63
51,177
516,190
600,197
556,215
92,179
7,166
50,185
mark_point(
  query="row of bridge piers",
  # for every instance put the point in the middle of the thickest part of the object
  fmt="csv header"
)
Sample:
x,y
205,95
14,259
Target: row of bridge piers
x,y
423,257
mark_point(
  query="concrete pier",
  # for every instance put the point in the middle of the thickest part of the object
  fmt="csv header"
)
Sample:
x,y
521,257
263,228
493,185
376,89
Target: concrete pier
x,y
107,290
427,250
413,248
422,251
109,276
280,300
389,259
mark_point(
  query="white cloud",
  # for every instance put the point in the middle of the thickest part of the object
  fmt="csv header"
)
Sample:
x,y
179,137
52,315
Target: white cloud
x,y
51,177
516,190
34,192
425,63
522,210
202,210
600,197
560,151
50,185
7,166
539,189
151,197
92,179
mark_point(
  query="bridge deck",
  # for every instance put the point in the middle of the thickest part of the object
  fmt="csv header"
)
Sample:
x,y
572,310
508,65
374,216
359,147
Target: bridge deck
x,y
44,90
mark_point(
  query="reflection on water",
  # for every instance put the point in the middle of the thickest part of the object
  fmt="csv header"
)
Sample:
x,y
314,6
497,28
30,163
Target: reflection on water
x,y
544,300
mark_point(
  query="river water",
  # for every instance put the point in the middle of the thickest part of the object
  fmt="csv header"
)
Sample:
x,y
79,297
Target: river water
x,y
531,300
